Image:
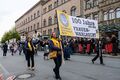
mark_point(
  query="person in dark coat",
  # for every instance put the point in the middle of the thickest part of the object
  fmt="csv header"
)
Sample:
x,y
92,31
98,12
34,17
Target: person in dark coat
x,y
114,43
67,51
30,53
71,42
5,48
99,52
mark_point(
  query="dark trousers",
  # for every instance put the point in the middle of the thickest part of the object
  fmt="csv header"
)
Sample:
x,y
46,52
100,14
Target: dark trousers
x,y
114,49
25,53
30,59
57,62
100,57
4,53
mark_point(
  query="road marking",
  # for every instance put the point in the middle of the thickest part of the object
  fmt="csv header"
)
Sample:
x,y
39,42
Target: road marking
x,y
5,71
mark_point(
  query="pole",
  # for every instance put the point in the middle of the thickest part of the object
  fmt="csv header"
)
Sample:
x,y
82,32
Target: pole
x,y
62,54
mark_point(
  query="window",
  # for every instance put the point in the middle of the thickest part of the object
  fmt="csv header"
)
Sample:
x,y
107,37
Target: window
x,y
50,20
100,1
50,7
44,10
44,32
24,21
49,31
34,26
31,17
28,19
55,18
55,4
44,23
111,14
105,15
28,29
73,11
62,1
38,13
55,30
31,28
95,16
34,15
38,25
88,16
88,4
95,3
118,13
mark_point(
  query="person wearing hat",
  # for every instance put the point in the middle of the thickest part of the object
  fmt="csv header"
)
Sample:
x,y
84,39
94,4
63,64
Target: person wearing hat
x,y
55,50
30,53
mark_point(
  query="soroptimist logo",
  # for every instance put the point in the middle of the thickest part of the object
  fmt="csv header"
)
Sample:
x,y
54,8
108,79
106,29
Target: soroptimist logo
x,y
63,20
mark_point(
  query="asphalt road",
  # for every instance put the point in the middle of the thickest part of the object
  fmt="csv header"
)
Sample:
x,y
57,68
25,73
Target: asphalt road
x,y
78,68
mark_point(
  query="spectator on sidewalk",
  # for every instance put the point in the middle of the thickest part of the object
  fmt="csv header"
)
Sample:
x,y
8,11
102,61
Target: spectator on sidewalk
x,y
67,51
114,43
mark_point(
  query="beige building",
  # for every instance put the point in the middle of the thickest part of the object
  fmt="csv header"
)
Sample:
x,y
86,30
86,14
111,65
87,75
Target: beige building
x,y
42,16
30,21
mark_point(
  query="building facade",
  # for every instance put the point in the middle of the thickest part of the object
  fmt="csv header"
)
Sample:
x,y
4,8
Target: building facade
x,y
107,12
30,21
42,16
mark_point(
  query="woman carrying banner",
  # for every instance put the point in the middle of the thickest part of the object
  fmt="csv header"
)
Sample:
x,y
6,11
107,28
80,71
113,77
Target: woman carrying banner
x,y
55,54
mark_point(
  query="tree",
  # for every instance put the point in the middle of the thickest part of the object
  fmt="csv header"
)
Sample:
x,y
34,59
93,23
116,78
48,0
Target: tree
x,y
10,35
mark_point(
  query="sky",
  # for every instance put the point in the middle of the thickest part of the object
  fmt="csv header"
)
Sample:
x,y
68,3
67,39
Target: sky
x,y
11,10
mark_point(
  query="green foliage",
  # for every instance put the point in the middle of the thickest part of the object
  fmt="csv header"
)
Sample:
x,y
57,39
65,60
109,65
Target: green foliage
x,y
10,35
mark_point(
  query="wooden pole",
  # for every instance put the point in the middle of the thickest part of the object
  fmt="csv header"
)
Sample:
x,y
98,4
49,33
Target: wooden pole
x,y
62,54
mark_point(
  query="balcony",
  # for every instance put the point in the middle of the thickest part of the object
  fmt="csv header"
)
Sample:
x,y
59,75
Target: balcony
x,y
110,25
112,21
107,2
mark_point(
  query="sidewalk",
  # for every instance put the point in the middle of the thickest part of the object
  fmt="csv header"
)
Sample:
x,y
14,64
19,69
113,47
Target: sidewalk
x,y
104,55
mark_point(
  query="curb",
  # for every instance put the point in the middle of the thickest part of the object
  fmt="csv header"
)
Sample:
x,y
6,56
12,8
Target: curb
x,y
108,56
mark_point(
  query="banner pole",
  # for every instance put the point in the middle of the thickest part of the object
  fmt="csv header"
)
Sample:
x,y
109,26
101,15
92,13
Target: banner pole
x,y
62,54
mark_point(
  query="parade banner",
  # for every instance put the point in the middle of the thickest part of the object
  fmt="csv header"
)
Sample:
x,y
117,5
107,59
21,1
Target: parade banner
x,y
77,27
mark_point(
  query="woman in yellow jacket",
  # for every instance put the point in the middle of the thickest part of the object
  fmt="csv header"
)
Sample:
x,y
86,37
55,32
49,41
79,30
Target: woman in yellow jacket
x,y
54,46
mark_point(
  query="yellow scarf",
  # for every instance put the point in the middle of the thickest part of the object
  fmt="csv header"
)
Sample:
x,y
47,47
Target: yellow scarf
x,y
29,45
56,43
